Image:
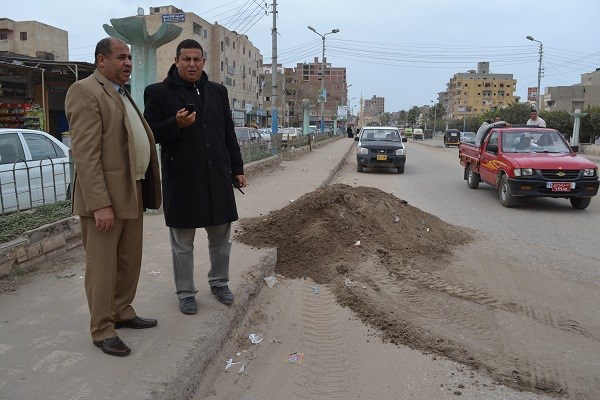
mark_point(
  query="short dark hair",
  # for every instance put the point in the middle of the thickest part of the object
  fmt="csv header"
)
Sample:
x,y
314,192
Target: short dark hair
x,y
103,47
534,110
188,44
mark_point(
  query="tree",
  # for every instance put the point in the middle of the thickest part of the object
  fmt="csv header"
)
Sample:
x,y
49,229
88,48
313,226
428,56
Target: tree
x,y
385,118
412,115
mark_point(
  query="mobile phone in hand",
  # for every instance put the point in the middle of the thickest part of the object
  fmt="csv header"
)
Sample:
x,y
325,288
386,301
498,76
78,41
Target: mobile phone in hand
x,y
190,107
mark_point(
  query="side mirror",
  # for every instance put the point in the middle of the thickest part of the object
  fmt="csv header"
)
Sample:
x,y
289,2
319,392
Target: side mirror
x,y
356,138
492,148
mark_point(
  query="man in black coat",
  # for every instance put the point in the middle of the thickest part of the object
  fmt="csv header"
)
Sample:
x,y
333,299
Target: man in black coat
x,y
191,119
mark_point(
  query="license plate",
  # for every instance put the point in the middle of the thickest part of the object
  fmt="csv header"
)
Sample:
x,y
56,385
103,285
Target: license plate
x,y
381,157
560,186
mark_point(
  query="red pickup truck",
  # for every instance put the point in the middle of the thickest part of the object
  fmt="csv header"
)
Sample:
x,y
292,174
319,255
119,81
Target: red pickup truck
x,y
528,161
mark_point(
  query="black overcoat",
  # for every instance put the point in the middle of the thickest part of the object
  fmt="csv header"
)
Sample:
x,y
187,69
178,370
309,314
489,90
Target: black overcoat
x,y
198,161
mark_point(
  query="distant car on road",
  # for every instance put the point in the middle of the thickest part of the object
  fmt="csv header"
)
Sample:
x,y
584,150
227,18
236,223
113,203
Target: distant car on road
x,y
380,146
451,137
468,137
247,135
418,134
265,134
34,169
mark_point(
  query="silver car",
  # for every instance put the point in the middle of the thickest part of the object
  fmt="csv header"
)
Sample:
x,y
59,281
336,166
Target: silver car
x,y
34,169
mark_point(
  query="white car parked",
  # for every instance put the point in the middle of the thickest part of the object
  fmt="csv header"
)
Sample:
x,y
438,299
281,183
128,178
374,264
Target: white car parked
x,y
34,169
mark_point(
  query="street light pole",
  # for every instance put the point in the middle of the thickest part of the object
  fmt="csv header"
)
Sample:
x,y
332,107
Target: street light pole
x,y
434,115
539,94
323,74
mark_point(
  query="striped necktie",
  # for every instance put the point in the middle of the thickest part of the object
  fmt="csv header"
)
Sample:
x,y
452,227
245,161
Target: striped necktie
x,y
121,91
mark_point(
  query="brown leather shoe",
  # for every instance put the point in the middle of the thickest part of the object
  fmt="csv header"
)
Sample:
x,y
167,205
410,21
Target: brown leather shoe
x,y
113,346
137,323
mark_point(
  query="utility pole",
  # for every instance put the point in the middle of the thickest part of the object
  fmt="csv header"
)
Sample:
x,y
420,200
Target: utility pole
x,y
539,80
274,117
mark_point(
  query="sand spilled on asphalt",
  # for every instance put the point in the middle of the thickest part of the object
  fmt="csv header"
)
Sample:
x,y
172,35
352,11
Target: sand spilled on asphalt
x,y
401,270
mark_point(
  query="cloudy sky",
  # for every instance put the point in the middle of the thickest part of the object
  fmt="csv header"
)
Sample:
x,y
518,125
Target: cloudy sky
x,y
405,51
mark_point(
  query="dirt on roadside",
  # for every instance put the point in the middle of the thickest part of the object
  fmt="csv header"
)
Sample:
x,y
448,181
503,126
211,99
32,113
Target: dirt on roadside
x,y
421,283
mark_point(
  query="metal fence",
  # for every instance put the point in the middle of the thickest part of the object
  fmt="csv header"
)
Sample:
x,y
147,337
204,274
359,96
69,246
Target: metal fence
x,y
25,185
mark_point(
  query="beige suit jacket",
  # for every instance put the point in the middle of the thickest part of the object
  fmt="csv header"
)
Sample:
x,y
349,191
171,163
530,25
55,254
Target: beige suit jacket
x,y
103,151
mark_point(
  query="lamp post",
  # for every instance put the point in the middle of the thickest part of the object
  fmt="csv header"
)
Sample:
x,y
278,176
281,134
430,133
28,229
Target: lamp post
x,y
539,94
322,100
434,115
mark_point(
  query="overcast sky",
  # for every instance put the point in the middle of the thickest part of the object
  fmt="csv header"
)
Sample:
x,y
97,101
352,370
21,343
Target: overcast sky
x,y
405,51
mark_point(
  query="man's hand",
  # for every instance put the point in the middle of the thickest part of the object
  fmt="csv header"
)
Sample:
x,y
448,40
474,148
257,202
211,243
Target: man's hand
x,y
105,218
185,118
241,180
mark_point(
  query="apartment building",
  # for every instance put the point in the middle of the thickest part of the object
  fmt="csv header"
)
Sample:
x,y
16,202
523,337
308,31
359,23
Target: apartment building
x,y
475,92
231,59
34,39
569,98
307,83
374,106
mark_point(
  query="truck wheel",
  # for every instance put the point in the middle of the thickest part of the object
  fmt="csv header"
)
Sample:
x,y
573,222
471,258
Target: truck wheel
x,y
506,198
473,178
359,167
400,169
580,203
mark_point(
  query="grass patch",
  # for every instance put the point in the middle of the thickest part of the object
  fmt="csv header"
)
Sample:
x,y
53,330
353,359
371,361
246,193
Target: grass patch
x,y
15,224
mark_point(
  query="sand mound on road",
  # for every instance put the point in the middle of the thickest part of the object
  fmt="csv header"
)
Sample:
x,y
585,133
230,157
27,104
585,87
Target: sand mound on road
x,y
322,228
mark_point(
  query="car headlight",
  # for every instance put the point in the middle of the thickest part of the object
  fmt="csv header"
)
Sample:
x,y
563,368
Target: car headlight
x,y
589,172
523,171
362,150
400,152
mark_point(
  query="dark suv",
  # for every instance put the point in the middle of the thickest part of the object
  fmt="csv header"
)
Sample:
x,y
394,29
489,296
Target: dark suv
x,y
380,146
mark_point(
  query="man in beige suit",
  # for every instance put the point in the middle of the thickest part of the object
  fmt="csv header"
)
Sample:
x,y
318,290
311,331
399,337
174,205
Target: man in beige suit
x,y
116,178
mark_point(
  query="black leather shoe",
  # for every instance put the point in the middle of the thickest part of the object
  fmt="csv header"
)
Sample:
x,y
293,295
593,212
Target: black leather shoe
x,y
113,346
223,294
137,323
188,305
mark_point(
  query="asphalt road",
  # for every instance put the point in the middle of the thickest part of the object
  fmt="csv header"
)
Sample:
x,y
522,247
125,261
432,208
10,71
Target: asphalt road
x,y
433,181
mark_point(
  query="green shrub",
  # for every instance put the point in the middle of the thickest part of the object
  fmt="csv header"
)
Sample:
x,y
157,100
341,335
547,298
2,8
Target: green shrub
x,y
12,225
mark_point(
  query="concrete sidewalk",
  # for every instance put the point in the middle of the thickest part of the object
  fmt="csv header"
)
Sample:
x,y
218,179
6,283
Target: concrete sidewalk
x,y
45,347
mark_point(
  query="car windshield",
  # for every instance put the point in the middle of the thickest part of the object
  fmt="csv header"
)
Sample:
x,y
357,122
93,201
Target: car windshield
x,y
242,133
534,142
389,135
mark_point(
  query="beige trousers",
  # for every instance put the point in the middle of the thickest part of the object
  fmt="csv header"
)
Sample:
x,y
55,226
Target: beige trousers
x,y
113,262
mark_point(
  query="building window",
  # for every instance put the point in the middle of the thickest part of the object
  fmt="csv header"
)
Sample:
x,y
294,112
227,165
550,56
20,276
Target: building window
x,y
234,44
197,29
3,36
205,34
227,81
244,50
221,66
23,36
222,46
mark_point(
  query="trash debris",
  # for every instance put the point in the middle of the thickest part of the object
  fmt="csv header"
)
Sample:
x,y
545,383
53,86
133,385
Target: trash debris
x,y
349,283
230,364
316,290
255,338
65,276
294,358
427,229
242,368
274,341
396,219
357,243
270,281
154,273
